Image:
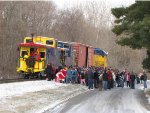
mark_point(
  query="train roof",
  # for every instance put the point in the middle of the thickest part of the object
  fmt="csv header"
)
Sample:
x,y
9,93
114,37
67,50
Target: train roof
x,y
100,52
41,37
78,43
33,45
64,42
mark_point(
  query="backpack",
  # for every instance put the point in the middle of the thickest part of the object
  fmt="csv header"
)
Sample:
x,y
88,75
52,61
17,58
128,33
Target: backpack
x,y
74,73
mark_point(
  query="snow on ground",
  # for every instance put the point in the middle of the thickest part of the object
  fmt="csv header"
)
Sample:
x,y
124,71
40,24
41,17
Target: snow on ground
x,y
19,88
35,96
116,100
146,91
38,96
141,87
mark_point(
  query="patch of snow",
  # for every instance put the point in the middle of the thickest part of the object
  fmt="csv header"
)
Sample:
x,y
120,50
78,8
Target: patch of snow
x,y
141,87
57,103
19,88
62,102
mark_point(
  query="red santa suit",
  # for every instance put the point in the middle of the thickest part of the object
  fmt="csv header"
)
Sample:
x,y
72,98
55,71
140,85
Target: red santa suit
x,y
60,76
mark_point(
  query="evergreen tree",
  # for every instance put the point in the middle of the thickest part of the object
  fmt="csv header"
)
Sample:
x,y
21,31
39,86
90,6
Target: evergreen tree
x,y
134,23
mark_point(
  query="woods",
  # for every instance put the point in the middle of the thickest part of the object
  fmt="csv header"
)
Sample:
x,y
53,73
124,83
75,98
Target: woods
x,y
88,23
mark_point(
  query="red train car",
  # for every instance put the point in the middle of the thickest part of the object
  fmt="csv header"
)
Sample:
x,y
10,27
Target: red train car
x,y
83,54
80,53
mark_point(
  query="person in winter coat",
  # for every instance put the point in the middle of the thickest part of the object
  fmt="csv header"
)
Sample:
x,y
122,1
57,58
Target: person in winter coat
x,y
145,80
110,79
137,79
104,78
121,79
117,79
128,79
100,83
86,76
132,78
141,77
49,72
69,75
74,76
96,79
90,75
114,78
83,77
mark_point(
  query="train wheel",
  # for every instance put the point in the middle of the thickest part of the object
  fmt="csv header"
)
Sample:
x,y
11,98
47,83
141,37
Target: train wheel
x,y
36,75
31,76
40,76
26,76
21,75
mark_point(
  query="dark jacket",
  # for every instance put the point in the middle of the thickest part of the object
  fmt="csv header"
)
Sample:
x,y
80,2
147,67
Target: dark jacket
x,y
144,77
96,75
90,74
49,70
105,76
132,77
82,75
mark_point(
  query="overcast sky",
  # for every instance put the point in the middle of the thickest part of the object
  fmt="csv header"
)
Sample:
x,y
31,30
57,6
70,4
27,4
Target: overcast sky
x,y
112,3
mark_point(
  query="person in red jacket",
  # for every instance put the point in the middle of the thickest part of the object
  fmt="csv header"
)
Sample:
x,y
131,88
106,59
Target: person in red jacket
x,y
60,76
109,78
127,75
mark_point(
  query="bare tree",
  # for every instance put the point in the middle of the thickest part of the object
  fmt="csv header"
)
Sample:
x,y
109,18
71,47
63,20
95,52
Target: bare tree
x,y
18,20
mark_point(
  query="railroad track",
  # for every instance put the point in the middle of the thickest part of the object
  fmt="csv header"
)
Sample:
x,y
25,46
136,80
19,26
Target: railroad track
x,y
16,80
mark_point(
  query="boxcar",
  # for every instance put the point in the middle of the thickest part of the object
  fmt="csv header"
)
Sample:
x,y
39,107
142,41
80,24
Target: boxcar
x,y
80,53
84,54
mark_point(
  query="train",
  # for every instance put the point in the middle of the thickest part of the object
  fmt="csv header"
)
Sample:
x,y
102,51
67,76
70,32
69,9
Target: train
x,y
37,51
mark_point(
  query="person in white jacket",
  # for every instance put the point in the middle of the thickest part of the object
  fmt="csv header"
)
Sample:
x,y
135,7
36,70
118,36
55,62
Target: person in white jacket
x,y
114,78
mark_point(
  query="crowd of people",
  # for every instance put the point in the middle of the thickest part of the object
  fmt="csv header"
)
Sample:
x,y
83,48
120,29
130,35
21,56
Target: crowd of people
x,y
96,77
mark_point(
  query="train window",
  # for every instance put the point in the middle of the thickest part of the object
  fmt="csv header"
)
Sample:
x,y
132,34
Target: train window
x,y
28,40
23,53
49,42
32,49
67,53
42,54
66,46
60,45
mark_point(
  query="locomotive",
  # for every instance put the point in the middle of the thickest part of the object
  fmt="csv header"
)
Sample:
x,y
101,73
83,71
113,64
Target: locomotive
x,y
37,51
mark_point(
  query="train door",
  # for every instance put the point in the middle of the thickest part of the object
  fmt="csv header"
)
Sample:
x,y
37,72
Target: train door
x,y
24,53
41,58
62,57
86,59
